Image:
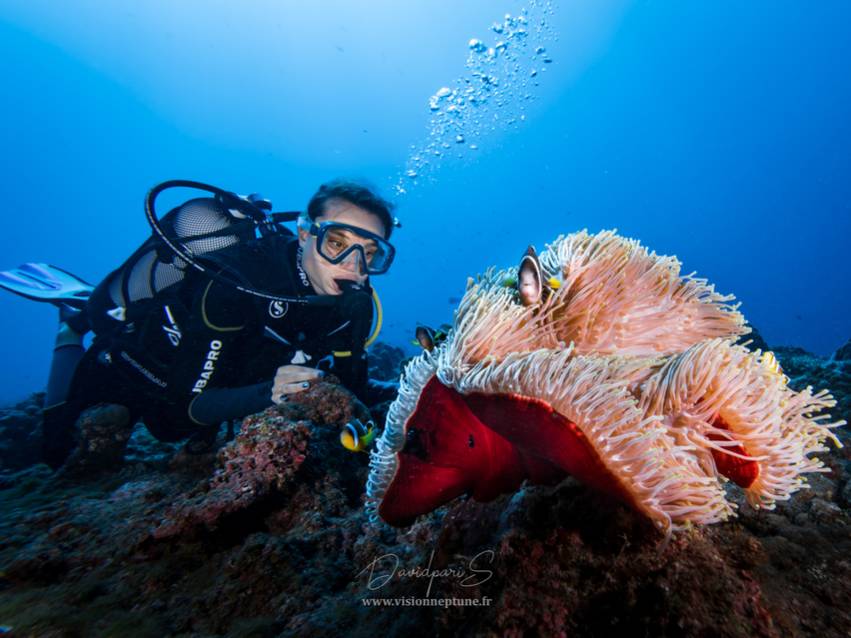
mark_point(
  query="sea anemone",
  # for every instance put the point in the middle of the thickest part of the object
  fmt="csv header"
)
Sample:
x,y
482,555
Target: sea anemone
x,y
625,374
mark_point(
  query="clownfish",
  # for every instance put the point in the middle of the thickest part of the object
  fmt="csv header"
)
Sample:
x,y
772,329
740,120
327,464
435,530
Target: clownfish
x,y
531,285
357,436
770,361
429,338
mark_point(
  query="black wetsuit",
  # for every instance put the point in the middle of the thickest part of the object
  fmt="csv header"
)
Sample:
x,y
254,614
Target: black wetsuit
x,y
202,352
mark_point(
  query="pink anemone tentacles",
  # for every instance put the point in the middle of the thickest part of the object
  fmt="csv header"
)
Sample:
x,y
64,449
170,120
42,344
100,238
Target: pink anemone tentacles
x,y
625,374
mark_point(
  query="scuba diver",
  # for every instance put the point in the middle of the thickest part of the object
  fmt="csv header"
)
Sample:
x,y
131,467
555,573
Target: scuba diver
x,y
221,313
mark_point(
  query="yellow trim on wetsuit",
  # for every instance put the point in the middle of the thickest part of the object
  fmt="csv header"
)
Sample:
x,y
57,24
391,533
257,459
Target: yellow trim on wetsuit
x,y
206,319
379,317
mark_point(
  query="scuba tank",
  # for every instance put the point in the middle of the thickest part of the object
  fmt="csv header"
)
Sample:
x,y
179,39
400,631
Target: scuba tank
x,y
188,238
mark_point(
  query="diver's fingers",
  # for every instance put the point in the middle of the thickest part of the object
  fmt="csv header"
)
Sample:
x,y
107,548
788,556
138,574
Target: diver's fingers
x,y
296,374
280,393
291,379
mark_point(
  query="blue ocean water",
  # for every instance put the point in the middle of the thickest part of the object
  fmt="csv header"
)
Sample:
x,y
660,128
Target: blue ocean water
x,y
718,132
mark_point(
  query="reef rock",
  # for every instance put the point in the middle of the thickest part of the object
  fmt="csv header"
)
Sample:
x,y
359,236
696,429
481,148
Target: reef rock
x,y
843,353
103,433
265,456
385,361
754,340
20,433
806,369
258,469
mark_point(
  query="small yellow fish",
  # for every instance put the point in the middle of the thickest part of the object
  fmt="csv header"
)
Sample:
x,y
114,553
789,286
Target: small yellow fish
x,y
770,361
357,436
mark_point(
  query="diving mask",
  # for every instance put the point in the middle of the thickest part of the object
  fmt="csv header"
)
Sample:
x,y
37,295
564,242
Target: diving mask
x,y
335,241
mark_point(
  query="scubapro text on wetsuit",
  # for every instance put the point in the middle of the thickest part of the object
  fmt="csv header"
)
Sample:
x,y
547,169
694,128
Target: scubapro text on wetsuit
x,y
209,366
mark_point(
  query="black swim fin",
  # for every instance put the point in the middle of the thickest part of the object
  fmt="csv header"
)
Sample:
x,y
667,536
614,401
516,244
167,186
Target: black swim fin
x,y
43,282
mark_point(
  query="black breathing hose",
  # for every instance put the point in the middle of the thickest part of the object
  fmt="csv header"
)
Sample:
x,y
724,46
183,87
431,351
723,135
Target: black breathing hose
x,y
230,201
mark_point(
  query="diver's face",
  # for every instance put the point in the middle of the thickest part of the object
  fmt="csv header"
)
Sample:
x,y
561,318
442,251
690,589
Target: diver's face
x,y
320,271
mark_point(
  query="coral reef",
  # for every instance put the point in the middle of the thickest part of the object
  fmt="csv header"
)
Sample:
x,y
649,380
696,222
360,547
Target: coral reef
x,y
265,456
258,468
79,556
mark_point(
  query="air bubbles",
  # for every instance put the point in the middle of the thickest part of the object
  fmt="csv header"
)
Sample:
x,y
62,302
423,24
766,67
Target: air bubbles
x,y
542,53
441,94
477,46
490,96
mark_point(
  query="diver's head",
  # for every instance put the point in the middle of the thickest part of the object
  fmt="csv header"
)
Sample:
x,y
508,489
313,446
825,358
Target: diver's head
x,y
349,224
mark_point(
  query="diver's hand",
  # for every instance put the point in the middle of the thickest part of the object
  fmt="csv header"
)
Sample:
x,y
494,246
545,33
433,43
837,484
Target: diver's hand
x,y
291,379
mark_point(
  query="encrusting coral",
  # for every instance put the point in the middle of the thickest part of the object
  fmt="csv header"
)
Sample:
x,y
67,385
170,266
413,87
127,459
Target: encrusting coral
x,y
621,372
265,458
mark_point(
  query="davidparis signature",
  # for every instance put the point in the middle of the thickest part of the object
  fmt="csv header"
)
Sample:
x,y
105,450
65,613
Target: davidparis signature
x,y
386,567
